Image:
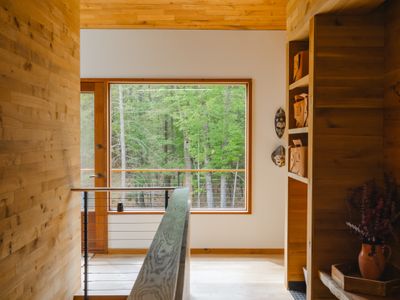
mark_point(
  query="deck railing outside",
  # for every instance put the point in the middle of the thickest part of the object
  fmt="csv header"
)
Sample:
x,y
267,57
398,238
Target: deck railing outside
x,y
215,189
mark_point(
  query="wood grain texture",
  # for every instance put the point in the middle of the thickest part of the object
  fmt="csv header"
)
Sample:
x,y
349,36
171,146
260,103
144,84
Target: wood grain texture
x,y
343,295
100,234
39,149
300,12
392,97
296,247
162,274
184,14
347,142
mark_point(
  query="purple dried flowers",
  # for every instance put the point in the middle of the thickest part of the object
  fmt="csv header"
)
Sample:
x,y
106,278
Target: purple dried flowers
x,y
379,211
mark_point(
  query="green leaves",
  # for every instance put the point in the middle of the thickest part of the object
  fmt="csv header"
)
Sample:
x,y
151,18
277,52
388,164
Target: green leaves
x,y
158,118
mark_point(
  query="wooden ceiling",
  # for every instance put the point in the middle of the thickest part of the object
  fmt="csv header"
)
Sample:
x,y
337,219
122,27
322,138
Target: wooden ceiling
x,y
215,14
184,14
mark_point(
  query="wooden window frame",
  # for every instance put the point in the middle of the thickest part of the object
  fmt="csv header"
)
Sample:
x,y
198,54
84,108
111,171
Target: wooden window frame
x,y
99,243
249,122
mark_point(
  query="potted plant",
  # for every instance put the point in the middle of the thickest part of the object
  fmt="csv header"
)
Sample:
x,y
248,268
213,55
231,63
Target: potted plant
x,y
375,222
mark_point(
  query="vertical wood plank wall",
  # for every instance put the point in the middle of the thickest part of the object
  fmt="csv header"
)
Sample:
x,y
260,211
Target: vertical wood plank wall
x,y
39,149
392,96
347,94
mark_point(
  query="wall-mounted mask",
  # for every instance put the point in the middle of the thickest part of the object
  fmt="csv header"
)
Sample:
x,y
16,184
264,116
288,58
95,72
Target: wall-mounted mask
x,y
280,122
278,156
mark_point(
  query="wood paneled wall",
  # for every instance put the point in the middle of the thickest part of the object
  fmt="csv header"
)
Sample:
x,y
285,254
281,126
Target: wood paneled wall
x,y
39,149
392,96
347,126
184,14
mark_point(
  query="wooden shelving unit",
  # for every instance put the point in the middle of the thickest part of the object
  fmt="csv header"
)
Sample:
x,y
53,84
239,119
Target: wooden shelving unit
x,y
296,239
344,140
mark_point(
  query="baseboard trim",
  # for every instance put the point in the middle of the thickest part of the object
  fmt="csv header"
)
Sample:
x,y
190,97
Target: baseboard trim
x,y
237,251
126,251
216,251
101,297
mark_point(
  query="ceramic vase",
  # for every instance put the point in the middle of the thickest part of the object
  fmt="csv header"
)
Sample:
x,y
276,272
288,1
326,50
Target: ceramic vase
x,y
372,260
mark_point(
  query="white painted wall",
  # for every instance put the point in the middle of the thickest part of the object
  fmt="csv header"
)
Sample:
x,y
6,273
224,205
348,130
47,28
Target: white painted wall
x,y
259,55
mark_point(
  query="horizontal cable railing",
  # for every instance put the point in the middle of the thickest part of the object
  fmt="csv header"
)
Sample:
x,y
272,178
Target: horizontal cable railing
x,y
211,189
118,232
172,170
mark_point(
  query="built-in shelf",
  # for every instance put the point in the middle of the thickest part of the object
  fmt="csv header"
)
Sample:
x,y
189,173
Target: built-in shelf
x,y
302,82
298,130
298,178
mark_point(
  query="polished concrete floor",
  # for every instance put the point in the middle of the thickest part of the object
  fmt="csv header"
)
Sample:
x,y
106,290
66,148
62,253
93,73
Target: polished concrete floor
x,y
213,277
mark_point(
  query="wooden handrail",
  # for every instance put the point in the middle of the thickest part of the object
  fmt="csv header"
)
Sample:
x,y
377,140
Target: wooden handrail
x,y
122,189
172,170
165,271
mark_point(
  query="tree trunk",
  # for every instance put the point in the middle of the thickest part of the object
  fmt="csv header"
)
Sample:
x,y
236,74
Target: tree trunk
x,y
223,190
122,139
209,187
167,177
198,175
188,163
227,104
141,200
234,185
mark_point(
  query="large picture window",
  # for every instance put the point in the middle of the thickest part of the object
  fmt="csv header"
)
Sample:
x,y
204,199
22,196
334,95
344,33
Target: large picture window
x,y
193,134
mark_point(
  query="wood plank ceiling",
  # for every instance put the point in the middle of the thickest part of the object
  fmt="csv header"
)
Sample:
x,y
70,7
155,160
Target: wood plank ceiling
x,y
184,14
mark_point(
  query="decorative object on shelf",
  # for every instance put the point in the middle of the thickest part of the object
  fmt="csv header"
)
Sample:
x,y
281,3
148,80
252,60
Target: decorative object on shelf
x,y
348,277
120,207
300,65
300,108
278,156
377,220
280,122
298,158
372,260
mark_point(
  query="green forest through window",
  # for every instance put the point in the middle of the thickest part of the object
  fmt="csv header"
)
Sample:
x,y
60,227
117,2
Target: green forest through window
x,y
180,134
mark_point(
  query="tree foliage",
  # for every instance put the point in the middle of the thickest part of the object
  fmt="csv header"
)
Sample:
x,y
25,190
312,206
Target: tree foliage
x,y
160,118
